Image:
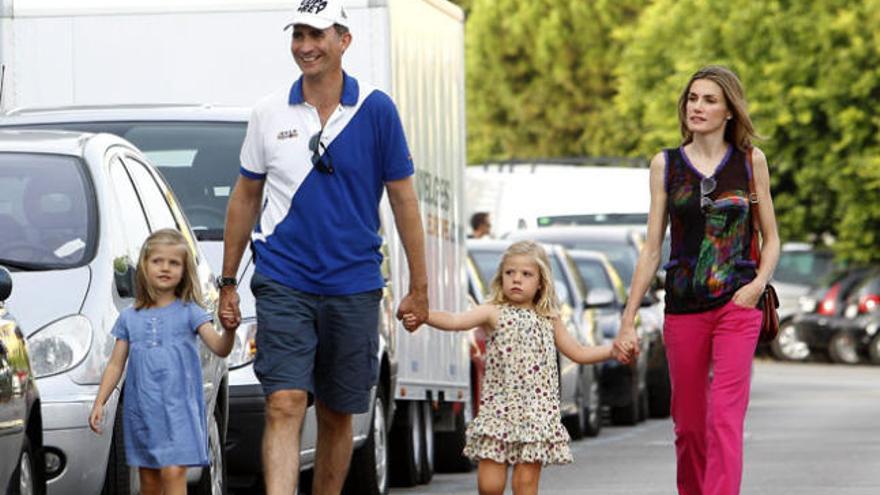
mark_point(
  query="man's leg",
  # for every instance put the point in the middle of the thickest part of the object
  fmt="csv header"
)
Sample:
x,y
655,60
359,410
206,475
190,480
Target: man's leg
x,y
333,452
285,410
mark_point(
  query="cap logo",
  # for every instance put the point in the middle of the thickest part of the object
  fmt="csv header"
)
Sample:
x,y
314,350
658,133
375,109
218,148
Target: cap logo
x,y
312,6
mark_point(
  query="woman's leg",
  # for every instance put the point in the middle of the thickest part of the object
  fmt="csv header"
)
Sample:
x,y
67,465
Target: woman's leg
x,y
174,480
733,349
491,477
688,350
151,481
526,478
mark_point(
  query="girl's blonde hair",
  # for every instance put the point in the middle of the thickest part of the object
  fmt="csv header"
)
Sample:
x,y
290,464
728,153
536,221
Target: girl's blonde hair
x,y
739,130
546,303
187,290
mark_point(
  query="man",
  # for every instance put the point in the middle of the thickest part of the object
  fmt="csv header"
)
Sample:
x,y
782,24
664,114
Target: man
x,y
480,226
323,150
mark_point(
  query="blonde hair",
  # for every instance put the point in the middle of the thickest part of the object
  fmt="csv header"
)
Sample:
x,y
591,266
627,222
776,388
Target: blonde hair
x,y
546,303
187,290
739,130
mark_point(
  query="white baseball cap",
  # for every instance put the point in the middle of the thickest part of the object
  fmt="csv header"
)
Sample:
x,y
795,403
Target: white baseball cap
x,y
319,14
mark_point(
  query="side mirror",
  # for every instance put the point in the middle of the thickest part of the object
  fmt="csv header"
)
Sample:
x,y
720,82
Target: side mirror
x,y
5,284
124,276
600,298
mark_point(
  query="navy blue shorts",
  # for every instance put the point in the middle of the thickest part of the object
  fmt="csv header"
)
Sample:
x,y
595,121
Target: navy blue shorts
x,y
325,345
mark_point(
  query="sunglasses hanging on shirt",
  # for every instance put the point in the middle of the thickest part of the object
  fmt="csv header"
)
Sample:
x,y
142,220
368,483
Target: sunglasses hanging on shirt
x,y
317,158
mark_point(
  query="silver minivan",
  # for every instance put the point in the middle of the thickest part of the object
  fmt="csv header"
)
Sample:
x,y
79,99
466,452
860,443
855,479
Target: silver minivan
x,y
76,208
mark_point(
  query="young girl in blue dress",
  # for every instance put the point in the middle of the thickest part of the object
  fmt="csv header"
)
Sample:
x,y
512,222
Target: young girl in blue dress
x,y
164,409
519,421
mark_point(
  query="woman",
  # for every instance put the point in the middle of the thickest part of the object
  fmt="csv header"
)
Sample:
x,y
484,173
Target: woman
x,y
712,283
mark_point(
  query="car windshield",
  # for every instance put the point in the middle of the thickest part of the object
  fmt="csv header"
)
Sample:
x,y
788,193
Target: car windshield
x,y
200,161
593,274
623,256
594,219
47,212
803,267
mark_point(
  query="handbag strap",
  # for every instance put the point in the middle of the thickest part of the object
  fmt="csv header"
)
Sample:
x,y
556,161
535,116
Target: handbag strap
x,y
755,247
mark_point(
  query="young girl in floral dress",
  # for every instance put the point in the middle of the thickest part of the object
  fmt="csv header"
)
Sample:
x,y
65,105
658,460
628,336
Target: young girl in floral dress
x,y
519,421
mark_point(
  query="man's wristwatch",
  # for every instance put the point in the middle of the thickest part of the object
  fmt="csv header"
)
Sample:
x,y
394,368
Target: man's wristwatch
x,y
222,282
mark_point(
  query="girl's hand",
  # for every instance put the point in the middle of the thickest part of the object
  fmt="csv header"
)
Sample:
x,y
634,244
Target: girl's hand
x,y
748,295
627,342
96,418
410,322
622,351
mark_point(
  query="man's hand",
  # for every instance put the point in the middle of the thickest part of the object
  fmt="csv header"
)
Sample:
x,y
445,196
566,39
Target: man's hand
x,y
415,307
230,315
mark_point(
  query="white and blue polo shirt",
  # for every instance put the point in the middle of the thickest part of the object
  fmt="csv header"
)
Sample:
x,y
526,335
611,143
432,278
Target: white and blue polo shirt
x,y
318,232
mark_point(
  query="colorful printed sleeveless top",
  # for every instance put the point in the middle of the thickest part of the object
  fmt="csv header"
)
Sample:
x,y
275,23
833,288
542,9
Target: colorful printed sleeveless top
x,y
711,232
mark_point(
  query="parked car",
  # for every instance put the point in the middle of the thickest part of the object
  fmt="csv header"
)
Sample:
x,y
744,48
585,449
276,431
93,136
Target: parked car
x,y
578,384
621,245
22,469
800,266
855,334
813,327
77,208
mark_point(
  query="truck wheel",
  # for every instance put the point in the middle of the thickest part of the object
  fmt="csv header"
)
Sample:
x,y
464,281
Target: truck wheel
x,y
369,464
117,481
427,443
25,480
449,448
213,480
406,444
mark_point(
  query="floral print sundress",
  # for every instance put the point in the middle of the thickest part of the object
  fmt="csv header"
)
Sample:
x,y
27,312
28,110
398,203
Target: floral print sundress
x,y
519,420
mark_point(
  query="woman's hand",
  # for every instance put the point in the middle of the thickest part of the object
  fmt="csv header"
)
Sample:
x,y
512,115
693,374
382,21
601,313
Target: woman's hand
x,y
96,418
627,342
748,295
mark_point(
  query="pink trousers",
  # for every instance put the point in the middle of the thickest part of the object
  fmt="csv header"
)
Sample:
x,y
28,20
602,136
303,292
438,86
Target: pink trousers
x,y
709,412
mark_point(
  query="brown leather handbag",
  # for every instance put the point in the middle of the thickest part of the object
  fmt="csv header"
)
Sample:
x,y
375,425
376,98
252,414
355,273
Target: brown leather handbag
x,y
769,302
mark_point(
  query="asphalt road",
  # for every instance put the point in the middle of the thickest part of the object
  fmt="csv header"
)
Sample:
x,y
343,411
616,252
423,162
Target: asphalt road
x,y
812,429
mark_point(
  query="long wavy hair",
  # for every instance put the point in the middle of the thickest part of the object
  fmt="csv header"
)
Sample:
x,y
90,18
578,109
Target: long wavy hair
x,y
187,289
739,130
545,301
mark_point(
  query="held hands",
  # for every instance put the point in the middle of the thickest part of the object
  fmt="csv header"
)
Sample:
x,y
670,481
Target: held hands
x,y
748,295
626,346
413,310
230,315
96,418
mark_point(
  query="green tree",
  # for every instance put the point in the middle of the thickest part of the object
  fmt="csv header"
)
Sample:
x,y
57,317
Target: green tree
x,y
540,74
811,75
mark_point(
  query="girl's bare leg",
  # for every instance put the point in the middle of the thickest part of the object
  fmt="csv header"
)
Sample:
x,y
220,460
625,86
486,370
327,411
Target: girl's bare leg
x,y
151,481
491,477
526,478
174,480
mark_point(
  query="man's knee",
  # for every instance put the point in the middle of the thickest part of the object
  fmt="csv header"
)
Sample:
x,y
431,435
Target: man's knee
x,y
332,420
286,405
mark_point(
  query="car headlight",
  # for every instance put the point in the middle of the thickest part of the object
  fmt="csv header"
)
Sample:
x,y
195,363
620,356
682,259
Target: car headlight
x,y
60,346
245,347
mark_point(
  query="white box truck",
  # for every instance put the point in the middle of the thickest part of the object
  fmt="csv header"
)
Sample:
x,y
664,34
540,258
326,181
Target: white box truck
x,y
136,68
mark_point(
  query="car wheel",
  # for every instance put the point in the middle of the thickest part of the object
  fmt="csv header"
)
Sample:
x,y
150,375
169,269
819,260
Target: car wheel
x,y
213,480
369,464
842,349
874,349
787,346
627,414
24,480
575,423
117,480
406,453
594,416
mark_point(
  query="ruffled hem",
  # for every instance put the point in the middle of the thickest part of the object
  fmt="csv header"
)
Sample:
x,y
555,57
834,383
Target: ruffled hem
x,y
519,432
480,447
